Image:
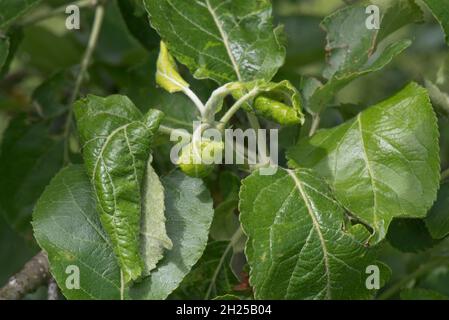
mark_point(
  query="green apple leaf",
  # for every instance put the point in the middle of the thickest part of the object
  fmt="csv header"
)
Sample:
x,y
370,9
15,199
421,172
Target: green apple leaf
x,y
440,10
12,10
136,19
189,214
116,142
410,235
153,233
382,164
297,247
437,220
4,50
221,40
353,52
67,226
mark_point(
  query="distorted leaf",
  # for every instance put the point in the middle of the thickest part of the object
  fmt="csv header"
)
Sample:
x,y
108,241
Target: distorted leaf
x,y
116,140
67,226
167,75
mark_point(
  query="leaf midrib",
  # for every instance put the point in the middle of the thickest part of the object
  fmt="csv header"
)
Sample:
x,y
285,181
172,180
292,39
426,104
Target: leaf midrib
x,y
224,39
316,226
171,79
100,158
370,170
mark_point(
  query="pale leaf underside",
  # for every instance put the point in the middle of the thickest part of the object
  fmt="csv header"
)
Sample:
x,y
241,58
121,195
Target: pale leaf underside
x,y
67,227
154,237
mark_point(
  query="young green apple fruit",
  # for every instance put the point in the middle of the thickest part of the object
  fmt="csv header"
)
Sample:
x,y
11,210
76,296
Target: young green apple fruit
x,y
198,159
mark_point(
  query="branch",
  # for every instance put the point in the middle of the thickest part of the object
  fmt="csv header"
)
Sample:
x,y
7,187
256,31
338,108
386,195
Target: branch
x,y
187,91
93,39
228,115
168,131
53,290
254,122
34,274
216,100
194,98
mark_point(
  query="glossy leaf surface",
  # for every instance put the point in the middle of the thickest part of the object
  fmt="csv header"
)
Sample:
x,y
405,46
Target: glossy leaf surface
x,y
116,142
67,227
297,248
382,164
221,40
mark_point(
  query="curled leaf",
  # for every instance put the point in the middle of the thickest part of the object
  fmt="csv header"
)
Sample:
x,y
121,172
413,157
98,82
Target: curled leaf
x,y
116,141
280,102
276,110
167,75
285,107
67,227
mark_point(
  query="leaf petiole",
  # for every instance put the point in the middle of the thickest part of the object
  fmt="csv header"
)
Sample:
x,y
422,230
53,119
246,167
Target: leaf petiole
x,y
228,115
169,131
214,102
316,119
194,98
187,91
